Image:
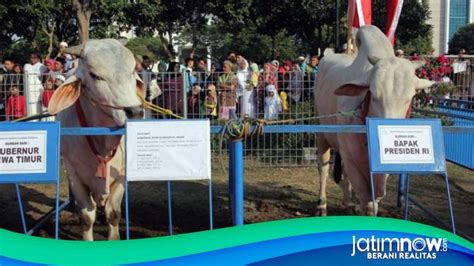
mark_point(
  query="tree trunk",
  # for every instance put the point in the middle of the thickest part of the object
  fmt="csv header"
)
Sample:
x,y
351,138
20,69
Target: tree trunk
x,y
50,35
273,46
166,44
34,45
84,11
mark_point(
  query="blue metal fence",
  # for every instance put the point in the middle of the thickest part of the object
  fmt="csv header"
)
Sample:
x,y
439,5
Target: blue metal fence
x,y
459,145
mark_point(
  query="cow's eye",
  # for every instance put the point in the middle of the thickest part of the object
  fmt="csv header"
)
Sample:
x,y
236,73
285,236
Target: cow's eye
x,y
95,76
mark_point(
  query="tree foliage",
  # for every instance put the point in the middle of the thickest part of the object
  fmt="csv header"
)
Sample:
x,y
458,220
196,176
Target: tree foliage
x,y
148,46
413,33
463,38
259,29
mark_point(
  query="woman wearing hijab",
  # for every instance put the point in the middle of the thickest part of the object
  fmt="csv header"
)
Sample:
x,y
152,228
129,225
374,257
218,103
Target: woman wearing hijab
x,y
272,103
172,89
267,77
245,91
295,85
50,72
226,87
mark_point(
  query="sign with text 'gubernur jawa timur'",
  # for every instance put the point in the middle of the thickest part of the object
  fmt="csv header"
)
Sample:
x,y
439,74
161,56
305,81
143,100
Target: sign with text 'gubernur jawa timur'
x,y
23,152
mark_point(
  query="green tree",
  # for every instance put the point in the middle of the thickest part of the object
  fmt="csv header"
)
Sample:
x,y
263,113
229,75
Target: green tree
x,y
463,38
46,23
313,23
148,46
413,33
169,19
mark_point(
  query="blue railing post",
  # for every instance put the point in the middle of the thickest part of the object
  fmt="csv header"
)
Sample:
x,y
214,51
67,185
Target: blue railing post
x,y
236,181
402,185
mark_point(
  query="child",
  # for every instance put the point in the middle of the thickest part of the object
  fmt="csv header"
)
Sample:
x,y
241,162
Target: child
x,y
210,102
46,96
272,103
193,102
47,92
16,107
284,101
60,79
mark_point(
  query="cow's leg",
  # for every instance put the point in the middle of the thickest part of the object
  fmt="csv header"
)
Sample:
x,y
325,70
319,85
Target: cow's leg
x,y
87,209
346,187
349,196
380,185
323,167
85,204
112,209
361,184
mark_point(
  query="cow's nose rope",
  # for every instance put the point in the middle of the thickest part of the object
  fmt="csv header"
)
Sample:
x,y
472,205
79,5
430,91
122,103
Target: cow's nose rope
x,y
156,108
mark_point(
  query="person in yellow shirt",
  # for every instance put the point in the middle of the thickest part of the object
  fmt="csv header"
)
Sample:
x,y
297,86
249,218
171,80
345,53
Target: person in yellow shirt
x,y
210,102
284,101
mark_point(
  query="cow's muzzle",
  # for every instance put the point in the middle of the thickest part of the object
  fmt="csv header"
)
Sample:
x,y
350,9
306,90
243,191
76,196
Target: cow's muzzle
x,y
134,111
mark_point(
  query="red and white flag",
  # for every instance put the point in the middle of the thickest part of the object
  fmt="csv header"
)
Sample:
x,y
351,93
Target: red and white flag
x,y
394,9
363,9
359,13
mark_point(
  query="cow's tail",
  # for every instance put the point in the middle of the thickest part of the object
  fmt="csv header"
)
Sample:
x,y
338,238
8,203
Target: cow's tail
x,y
337,170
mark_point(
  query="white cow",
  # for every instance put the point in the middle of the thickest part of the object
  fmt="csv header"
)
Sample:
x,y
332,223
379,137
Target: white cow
x,y
103,91
377,84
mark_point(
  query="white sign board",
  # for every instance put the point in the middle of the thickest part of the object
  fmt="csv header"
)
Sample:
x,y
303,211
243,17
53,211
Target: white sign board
x,y
23,152
168,150
459,67
405,144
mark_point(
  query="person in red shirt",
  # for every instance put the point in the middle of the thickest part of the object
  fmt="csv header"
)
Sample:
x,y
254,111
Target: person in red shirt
x,y
16,107
48,92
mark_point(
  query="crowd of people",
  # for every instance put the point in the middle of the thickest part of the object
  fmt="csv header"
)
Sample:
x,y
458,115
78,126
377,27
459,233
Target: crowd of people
x,y
235,88
22,95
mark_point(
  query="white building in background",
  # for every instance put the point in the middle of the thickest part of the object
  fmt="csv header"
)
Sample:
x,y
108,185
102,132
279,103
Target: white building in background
x,y
447,16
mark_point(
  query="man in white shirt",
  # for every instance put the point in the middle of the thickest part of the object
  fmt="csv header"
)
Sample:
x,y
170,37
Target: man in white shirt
x,y
69,62
34,88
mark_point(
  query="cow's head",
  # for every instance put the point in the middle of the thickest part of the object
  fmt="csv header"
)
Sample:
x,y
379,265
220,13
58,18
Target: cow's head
x,y
392,83
106,76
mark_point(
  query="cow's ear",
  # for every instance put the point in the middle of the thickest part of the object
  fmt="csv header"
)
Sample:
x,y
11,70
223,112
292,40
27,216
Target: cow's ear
x,y
351,90
65,96
140,86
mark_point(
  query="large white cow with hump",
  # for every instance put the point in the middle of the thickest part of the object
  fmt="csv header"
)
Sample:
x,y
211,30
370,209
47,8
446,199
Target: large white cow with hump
x,y
377,84
102,92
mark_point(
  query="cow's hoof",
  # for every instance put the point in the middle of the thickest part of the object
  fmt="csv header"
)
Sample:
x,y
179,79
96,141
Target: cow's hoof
x,y
114,236
351,210
372,209
321,212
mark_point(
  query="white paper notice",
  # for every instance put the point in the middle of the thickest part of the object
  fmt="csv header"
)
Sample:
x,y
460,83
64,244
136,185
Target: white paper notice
x,y
23,152
459,67
168,150
406,144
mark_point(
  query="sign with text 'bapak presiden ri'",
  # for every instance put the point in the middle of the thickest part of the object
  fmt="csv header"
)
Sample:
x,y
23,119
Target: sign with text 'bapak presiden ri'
x,y
23,152
168,150
405,144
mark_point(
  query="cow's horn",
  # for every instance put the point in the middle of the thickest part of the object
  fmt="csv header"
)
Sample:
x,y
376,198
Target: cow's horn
x,y
77,50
